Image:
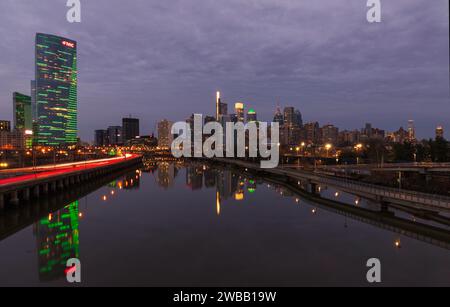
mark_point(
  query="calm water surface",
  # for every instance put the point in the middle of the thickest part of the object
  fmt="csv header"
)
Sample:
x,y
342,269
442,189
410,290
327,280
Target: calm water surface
x,y
195,225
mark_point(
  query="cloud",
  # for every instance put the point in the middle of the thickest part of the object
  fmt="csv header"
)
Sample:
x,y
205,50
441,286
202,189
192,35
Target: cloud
x,y
165,59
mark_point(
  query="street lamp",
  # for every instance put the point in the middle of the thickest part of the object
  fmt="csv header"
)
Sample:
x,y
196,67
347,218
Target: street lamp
x,y
328,147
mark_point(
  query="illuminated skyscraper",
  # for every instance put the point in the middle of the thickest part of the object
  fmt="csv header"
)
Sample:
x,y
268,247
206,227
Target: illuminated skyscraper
x,y
221,107
22,112
55,90
217,106
439,132
5,125
165,136
240,112
278,118
251,116
411,131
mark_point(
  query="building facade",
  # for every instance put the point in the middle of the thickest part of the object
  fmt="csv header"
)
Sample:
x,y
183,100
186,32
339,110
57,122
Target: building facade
x,y
22,112
165,136
130,129
55,90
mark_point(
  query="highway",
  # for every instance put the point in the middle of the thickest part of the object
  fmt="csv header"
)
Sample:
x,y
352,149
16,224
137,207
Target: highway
x,y
47,171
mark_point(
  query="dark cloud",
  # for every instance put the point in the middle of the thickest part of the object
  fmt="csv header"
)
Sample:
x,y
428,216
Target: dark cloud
x,y
157,59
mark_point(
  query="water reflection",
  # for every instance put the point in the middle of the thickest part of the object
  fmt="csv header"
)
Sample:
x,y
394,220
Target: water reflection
x,y
229,195
57,238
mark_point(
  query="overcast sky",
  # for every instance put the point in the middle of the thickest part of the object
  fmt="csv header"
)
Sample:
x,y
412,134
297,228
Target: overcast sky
x,y
159,59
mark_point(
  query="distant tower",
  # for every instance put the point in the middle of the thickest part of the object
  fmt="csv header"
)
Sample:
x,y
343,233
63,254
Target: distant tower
x,y
278,117
251,116
439,132
22,111
165,136
411,130
217,105
240,112
130,128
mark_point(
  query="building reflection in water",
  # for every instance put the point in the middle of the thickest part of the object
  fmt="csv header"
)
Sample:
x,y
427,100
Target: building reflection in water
x,y
166,174
228,184
57,238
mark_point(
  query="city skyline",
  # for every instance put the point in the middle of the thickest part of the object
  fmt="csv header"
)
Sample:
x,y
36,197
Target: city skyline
x,y
371,75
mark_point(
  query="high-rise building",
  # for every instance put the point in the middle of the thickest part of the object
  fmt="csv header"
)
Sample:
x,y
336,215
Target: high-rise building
x,y
252,116
101,138
221,107
367,131
299,118
55,90
289,116
115,136
292,117
165,136
313,133
130,128
278,118
22,112
240,111
439,132
330,134
5,125
411,131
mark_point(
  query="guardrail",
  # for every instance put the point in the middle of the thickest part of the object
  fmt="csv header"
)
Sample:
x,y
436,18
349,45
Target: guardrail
x,y
429,200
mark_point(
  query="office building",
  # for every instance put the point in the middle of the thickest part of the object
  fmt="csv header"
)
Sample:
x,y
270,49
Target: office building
x,y
439,132
101,138
239,109
130,128
5,125
252,116
165,136
55,90
115,135
22,112
278,118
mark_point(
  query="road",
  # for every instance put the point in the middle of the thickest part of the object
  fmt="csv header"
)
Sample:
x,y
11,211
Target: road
x,y
30,173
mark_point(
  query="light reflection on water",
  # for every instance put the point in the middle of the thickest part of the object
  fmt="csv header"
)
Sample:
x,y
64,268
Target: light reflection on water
x,y
170,224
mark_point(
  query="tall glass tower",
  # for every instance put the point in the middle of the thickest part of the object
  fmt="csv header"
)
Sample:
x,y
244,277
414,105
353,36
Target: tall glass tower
x,y
22,111
55,90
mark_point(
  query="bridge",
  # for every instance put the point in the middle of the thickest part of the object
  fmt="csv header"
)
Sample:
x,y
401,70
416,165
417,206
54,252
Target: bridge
x,y
30,183
379,193
419,167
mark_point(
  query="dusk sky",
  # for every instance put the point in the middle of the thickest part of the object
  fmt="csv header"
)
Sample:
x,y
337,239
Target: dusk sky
x,y
158,59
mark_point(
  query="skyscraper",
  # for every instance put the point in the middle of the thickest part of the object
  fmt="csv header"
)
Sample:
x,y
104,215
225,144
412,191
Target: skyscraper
x,y
5,125
411,131
251,116
101,138
55,90
439,132
330,134
298,118
278,118
115,136
130,128
217,105
240,112
22,112
165,136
